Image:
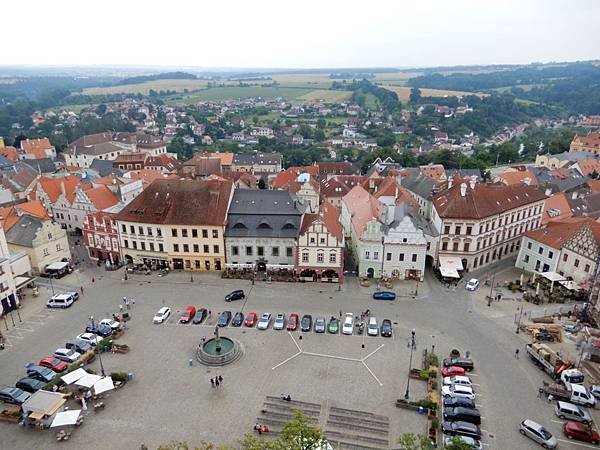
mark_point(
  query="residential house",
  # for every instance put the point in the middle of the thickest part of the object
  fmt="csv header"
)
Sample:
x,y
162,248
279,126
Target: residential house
x,y
556,208
177,223
320,250
588,143
101,236
423,189
262,132
554,161
9,299
256,162
434,171
37,149
125,188
262,229
20,179
482,223
331,169
164,163
201,166
511,177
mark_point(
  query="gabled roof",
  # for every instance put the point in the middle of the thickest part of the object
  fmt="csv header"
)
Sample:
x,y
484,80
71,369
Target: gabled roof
x,y
435,171
36,147
331,217
53,186
483,200
337,168
10,153
10,214
23,232
284,178
102,197
226,158
41,165
556,207
559,232
421,185
587,166
517,177
363,208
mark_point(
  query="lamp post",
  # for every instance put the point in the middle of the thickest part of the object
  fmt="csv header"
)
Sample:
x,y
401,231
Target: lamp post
x,y
412,347
519,319
100,351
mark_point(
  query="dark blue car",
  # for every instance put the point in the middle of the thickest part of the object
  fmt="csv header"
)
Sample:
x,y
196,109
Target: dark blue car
x,y
384,295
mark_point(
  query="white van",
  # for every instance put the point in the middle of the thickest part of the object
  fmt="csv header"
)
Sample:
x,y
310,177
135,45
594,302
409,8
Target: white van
x,y
372,328
581,396
60,301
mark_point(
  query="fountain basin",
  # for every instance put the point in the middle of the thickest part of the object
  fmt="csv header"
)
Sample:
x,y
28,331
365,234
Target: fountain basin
x,y
209,355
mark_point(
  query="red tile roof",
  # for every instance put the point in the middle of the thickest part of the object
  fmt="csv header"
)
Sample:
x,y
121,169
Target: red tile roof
x,y
556,207
558,232
9,216
10,153
36,147
517,177
484,200
587,166
102,197
363,207
53,186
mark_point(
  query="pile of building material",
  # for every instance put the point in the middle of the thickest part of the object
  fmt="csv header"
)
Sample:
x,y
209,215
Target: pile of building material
x,y
537,331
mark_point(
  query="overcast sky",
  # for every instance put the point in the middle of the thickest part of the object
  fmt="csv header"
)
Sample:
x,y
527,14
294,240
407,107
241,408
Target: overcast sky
x,y
296,34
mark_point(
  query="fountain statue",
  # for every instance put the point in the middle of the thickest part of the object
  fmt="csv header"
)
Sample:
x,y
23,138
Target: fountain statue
x,y
217,340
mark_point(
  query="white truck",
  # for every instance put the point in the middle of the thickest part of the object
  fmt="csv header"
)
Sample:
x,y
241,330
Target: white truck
x,y
578,394
571,376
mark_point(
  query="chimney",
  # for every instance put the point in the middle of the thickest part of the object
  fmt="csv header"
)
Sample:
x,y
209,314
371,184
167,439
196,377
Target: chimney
x,y
63,190
548,192
472,182
574,195
463,189
450,182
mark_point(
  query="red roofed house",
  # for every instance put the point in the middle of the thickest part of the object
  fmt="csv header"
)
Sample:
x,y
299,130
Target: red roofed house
x,y
482,223
556,207
513,177
587,166
9,153
589,143
38,148
320,250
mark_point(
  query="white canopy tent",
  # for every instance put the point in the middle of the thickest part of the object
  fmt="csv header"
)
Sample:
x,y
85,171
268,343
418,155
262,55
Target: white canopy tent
x,y
88,381
570,285
449,266
553,276
72,377
103,385
65,418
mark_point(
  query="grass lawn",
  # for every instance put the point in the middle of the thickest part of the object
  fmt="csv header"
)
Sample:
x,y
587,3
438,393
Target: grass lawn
x,y
234,92
314,81
328,96
404,92
144,88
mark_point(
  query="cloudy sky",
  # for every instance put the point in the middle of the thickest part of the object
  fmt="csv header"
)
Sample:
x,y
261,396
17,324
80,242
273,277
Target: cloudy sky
x,y
295,34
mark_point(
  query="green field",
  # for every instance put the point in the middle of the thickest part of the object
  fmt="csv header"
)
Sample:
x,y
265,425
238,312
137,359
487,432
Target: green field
x,y
235,92
71,108
144,88
327,96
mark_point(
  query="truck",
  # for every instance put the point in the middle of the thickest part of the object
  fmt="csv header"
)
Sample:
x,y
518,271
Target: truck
x,y
578,394
571,376
547,360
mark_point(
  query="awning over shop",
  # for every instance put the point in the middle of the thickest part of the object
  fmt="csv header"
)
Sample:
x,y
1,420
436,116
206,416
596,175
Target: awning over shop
x,y
570,285
72,377
59,265
239,266
449,266
280,266
23,281
553,276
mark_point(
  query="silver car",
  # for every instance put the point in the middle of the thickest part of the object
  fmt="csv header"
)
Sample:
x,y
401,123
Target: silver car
x,y
264,322
320,325
537,433
279,322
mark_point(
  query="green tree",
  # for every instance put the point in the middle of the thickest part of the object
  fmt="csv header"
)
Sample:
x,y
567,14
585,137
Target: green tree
x,y
415,95
101,109
300,434
321,123
411,441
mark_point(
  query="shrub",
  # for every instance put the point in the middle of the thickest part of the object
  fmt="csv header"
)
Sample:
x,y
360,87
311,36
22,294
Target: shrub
x,y
435,423
427,404
106,342
434,360
119,376
434,385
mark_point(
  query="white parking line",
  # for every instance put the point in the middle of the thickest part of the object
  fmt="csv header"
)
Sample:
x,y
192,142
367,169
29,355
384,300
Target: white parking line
x,y
556,421
476,385
576,443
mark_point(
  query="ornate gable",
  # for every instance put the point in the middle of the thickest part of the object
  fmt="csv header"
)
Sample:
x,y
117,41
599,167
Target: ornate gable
x,y
584,243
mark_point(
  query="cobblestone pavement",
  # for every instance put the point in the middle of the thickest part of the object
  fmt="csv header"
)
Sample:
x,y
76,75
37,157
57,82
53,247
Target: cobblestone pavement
x,y
169,400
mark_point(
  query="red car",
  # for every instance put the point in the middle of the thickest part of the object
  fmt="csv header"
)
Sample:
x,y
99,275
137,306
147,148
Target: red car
x,y
580,432
292,322
251,319
53,363
452,371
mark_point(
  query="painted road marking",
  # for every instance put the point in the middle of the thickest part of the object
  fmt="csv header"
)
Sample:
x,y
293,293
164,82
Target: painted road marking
x,y
576,443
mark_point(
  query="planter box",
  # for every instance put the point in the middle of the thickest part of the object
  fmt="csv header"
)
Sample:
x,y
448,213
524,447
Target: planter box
x,y
407,406
120,350
10,419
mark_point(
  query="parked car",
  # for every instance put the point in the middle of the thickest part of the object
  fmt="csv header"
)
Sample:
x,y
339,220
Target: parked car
x,y
99,329
474,443
348,326
235,295
30,385
224,319
238,319
458,379
595,391
579,432
113,324
78,345
462,414
455,402
60,301
66,355
306,323
162,315
40,373
452,371
73,294
251,319
91,338
200,315
320,325
465,363
188,314
386,328
569,411
458,391
372,328
472,284
54,364
292,322
461,429
279,322
14,395
334,326
264,321
384,295
537,433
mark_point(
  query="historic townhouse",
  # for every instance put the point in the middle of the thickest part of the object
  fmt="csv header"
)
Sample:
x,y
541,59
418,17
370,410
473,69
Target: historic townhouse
x,y
320,251
177,223
482,223
101,236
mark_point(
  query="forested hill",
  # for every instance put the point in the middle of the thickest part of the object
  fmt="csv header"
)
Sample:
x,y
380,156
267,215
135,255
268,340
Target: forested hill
x,y
159,76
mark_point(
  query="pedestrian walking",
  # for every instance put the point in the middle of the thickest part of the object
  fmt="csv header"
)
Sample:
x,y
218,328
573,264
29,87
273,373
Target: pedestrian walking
x,y
517,353
540,392
120,308
216,382
81,290
550,398
93,280
340,313
127,305
209,313
124,300
220,379
212,382
133,302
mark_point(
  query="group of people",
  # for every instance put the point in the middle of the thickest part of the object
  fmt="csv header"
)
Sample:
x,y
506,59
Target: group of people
x,y
216,381
127,303
260,429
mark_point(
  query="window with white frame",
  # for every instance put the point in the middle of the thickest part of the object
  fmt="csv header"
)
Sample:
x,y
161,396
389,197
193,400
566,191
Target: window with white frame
x,y
304,256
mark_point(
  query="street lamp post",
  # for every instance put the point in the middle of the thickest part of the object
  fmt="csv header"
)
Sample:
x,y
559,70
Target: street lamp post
x,y
412,347
519,319
99,352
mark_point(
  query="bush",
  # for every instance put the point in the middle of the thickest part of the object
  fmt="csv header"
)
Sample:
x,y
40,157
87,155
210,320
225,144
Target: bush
x,y
434,385
119,376
434,360
106,342
427,404
435,423
427,374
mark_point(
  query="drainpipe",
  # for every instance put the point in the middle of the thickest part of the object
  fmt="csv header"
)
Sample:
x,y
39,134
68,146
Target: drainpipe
x,y
382,255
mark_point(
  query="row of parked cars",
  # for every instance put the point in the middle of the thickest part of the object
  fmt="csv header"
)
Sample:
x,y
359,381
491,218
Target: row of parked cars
x,y
48,368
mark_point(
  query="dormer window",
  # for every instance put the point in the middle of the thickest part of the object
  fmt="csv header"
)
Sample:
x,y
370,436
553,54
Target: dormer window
x,y
239,226
264,226
288,226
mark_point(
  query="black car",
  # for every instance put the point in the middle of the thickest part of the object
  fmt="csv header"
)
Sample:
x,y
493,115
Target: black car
x,y
462,414
100,329
40,373
13,395
454,402
386,328
465,363
235,295
461,429
306,323
224,319
78,345
238,319
200,315
30,384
